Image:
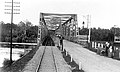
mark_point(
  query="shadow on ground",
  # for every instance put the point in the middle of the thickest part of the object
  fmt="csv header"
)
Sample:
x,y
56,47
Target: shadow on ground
x,y
48,41
74,66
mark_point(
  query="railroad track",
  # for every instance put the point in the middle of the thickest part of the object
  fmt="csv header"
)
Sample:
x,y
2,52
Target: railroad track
x,y
47,61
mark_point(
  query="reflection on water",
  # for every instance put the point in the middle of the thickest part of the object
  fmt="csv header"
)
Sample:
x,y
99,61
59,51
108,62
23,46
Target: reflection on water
x,y
5,53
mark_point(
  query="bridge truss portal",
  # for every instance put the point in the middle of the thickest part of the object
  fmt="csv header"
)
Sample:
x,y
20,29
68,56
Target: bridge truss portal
x,y
62,24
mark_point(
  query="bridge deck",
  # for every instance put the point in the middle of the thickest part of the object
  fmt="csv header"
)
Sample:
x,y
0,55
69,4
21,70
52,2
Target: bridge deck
x,y
47,59
91,62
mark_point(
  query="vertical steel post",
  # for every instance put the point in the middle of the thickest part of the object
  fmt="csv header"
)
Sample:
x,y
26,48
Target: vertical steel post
x,y
89,29
39,30
114,33
89,35
87,26
76,25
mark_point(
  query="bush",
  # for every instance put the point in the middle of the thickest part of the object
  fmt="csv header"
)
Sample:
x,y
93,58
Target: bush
x,y
21,54
6,63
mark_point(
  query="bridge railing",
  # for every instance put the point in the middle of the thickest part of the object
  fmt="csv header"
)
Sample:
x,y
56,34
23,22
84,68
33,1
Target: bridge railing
x,y
100,48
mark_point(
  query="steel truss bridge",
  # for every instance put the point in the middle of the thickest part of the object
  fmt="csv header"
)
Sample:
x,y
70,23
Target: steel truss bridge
x,y
62,24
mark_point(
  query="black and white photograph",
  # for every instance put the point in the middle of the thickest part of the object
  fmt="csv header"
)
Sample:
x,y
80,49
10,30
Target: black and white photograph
x,y
59,36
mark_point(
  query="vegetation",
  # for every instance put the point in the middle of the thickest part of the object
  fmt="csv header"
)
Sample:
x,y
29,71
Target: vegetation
x,y
19,65
21,54
6,63
101,34
21,32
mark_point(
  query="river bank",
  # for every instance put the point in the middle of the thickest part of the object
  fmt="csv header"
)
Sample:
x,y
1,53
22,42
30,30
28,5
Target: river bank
x,y
18,65
5,54
15,46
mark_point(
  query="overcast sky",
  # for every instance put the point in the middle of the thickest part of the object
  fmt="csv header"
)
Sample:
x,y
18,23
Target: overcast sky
x,y
104,13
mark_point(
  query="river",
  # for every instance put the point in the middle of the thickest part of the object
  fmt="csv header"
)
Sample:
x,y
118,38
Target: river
x,y
5,54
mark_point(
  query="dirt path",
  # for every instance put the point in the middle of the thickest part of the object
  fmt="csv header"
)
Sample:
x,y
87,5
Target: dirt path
x,y
91,62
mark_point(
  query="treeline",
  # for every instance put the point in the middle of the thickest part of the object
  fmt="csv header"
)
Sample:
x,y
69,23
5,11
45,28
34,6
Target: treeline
x,y
98,34
26,32
21,32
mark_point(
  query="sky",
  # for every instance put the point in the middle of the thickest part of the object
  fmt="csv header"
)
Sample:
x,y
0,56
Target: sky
x,y
104,13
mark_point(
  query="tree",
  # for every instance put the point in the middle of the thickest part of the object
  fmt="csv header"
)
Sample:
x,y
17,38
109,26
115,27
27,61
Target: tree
x,y
99,34
21,32
83,31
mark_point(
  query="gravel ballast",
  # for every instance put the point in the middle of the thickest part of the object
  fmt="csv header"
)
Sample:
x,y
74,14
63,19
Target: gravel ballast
x,y
47,63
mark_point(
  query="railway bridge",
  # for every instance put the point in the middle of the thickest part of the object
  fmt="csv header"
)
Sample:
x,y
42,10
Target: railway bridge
x,y
57,24
48,58
51,31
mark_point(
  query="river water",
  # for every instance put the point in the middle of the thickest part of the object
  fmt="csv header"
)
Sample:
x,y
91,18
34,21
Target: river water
x,y
5,54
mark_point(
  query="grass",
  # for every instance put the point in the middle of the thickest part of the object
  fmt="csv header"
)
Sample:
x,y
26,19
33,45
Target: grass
x,y
7,63
19,65
73,64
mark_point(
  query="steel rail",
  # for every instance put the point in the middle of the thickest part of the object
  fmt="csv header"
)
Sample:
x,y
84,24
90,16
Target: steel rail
x,y
40,63
38,67
54,59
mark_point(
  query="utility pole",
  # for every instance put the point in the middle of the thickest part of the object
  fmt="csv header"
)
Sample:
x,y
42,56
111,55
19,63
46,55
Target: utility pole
x,y
11,34
12,9
88,17
114,32
89,29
